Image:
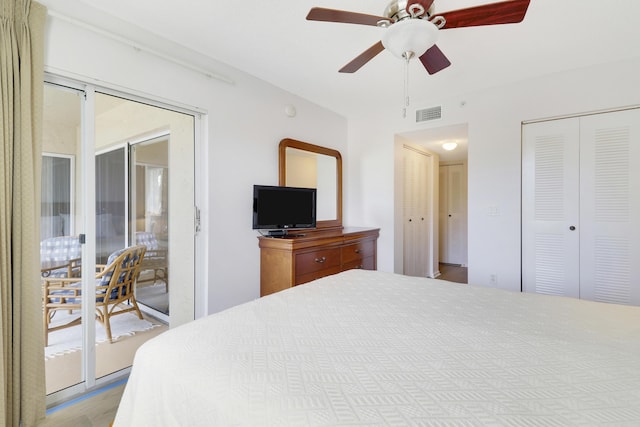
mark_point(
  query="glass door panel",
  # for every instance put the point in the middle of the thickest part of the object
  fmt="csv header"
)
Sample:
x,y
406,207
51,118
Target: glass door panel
x,y
136,206
61,222
111,203
116,121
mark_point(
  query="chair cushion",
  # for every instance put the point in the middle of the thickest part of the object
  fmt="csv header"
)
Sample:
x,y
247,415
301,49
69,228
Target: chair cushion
x,y
147,239
61,248
68,295
75,289
61,272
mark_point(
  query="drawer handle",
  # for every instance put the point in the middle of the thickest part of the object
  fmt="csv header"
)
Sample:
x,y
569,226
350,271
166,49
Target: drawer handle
x,y
321,260
358,251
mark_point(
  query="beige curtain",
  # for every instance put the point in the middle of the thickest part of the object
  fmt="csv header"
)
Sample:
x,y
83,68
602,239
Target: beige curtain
x,y
22,399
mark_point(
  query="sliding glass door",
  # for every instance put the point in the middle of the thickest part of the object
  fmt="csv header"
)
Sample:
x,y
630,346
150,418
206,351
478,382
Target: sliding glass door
x,y
106,187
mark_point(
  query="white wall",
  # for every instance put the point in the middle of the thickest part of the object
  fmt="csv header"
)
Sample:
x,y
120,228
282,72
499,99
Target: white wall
x,y
494,119
245,123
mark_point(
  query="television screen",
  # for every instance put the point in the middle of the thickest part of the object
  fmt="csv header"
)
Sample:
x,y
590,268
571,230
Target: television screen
x,y
281,208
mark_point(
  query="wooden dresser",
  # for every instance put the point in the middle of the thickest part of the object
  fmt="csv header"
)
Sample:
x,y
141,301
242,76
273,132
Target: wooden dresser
x,y
291,261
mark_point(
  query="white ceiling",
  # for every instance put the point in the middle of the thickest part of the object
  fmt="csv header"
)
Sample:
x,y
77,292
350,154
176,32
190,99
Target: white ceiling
x,y
434,138
272,41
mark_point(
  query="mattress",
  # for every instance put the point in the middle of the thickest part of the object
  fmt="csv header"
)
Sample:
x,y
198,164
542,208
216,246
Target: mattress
x,y
373,348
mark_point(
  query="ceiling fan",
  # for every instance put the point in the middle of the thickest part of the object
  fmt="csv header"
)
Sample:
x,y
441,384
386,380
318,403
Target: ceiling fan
x,y
412,28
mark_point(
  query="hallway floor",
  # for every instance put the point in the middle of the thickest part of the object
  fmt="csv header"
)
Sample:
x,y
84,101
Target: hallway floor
x,y
453,273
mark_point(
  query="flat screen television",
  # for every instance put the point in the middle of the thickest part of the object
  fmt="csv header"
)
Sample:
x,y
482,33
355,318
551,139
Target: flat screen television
x,y
280,209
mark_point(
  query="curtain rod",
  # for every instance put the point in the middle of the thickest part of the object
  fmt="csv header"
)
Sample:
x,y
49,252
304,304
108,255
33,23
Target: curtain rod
x,y
140,47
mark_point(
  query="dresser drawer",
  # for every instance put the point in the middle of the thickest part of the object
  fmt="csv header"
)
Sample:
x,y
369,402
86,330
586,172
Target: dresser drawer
x,y
358,251
316,275
315,261
367,263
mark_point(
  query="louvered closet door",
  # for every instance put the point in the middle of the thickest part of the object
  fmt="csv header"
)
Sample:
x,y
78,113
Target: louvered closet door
x,y
417,214
584,173
550,203
610,207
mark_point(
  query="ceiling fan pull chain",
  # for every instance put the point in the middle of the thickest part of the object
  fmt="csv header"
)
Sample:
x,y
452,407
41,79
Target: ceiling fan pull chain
x,y
407,56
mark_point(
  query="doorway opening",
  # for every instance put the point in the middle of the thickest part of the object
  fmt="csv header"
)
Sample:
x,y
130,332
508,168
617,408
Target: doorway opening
x,y
449,235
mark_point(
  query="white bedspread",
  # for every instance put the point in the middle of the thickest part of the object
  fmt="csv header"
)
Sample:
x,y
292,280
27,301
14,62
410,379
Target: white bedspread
x,y
371,348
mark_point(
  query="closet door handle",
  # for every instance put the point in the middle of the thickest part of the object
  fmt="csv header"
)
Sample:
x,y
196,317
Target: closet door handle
x,y
573,227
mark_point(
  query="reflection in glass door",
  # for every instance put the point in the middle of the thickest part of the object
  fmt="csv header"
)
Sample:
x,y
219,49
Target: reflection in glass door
x,y
150,220
111,203
57,206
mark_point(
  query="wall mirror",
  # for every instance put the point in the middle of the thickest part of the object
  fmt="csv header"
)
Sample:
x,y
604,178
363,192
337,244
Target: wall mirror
x,y
306,165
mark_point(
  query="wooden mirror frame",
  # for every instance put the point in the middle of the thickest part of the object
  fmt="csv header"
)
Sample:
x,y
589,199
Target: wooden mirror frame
x,y
305,146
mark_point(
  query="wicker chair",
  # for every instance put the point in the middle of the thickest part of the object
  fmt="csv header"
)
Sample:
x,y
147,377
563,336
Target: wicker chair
x,y
115,285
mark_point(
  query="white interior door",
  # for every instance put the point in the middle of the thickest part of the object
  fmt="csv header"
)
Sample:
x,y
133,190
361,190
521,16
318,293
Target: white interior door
x,y
452,214
610,207
550,208
411,256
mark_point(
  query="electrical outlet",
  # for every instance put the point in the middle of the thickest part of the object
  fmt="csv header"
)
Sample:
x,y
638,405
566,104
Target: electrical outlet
x,y
493,278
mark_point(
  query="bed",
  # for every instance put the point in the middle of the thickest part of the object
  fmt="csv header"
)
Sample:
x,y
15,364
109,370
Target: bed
x,y
373,348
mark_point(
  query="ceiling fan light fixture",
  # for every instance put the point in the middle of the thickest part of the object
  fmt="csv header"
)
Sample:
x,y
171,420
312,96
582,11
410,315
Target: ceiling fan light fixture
x,y
410,35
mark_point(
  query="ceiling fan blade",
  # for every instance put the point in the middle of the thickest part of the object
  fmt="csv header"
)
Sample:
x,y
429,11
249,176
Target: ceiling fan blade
x,y
363,58
506,12
434,60
426,4
333,15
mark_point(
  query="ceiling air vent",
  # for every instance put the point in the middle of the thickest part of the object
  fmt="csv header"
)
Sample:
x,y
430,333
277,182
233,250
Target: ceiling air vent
x,y
427,114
